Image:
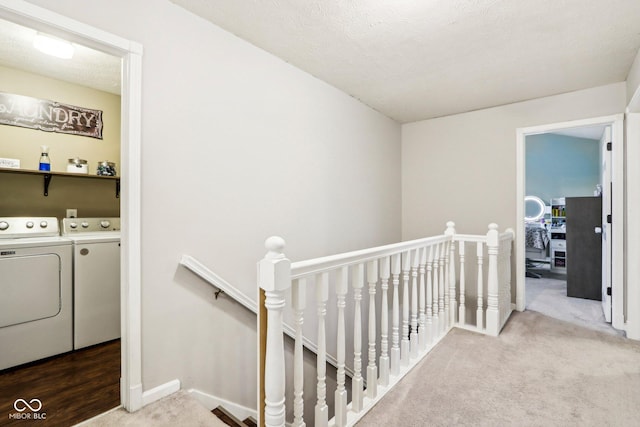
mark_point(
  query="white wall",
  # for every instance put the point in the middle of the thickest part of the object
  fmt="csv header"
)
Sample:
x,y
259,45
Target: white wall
x,y
463,167
632,247
238,145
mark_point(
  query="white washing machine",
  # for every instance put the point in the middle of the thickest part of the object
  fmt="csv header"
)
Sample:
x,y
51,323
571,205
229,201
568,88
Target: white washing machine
x,y
35,290
96,279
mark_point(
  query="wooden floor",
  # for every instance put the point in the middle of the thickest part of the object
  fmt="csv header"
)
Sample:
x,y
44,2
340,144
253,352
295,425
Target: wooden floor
x,y
72,387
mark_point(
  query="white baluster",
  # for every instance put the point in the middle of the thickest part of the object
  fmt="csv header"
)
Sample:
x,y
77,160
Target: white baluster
x,y
462,314
436,288
404,344
422,326
372,369
298,302
444,293
507,262
480,309
501,280
342,283
384,321
395,316
493,314
357,382
453,305
322,295
442,315
413,337
274,277
430,330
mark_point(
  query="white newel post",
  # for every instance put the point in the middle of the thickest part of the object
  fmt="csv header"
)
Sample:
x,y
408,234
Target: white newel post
x,y
372,368
385,272
395,316
462,313
357,383
274,277
342,283
453,305
322,295
298,302
413,334
493,312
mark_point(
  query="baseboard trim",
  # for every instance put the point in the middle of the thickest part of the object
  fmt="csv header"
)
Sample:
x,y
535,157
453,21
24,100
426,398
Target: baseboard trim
x,y
159,392
211,402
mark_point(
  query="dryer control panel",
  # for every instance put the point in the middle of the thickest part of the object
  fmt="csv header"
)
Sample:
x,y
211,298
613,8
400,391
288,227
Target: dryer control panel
x,y
71,226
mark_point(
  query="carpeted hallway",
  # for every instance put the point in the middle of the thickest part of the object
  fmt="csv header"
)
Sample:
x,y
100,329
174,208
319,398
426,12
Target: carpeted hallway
x,y
548,295
539,372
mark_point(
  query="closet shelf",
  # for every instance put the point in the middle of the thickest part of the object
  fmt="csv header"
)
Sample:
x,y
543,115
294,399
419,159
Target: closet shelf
x,y
48,176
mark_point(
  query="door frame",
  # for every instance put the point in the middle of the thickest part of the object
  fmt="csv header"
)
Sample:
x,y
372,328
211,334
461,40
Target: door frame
x,y
617,178
40,19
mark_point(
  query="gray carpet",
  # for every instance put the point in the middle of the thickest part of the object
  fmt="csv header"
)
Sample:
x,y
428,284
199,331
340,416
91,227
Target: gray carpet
x,y
549,296
178,409
539,372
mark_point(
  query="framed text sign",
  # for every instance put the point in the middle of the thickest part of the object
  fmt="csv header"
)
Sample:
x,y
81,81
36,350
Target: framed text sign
x,y
49,116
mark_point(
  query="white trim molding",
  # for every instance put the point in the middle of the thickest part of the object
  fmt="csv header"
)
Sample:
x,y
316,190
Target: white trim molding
x,y
160,392
27,14
211,402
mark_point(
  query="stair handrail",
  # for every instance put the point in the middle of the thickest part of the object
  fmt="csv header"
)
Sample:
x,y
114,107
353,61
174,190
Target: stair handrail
x,y
218,282
213,279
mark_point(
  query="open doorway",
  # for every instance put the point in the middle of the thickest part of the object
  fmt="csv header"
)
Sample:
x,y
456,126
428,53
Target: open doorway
x,y
560,165
567,247
129,56
76,300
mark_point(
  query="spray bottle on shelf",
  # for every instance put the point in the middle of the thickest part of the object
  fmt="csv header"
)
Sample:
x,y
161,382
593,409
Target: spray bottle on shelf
x,y
45,163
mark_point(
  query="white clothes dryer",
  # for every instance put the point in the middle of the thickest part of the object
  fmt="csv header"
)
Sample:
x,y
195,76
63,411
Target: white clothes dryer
x,y
35,290
96,279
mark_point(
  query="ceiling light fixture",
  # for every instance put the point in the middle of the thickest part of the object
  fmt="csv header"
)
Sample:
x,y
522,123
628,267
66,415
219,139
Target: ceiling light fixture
x,y
53,46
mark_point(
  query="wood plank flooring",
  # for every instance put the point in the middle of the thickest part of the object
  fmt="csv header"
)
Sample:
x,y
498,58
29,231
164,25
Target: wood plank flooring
x,y
72,387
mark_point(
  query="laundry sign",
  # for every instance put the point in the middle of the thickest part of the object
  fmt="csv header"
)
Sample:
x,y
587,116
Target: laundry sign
x,y
49,116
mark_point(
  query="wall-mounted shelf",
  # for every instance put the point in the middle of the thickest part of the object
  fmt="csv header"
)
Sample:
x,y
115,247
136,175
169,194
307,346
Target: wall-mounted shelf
x,y
48,176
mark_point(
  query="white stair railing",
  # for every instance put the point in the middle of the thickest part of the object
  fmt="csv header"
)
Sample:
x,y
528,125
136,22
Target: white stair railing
x,y
430,303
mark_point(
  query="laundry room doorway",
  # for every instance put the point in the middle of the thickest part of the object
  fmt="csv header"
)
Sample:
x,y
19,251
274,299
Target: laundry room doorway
x,y
123,189
569,259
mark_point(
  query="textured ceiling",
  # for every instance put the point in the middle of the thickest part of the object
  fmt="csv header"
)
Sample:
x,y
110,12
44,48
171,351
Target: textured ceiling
x,y
417,59
88,67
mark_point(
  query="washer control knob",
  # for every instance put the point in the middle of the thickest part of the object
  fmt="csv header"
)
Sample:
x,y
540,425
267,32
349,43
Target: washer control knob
x,y
29,224
43,224
73,225
85,224
4,225
105,224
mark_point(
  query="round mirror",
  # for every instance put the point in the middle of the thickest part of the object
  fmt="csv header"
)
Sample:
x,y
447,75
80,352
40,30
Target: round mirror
x,y
533,208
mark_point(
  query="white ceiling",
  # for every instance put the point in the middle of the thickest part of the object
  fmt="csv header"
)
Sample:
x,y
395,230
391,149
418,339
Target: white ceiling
x,y
409,59
88,67
417,59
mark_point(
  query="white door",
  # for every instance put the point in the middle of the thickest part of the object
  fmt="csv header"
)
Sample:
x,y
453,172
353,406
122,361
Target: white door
x,y
605,170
